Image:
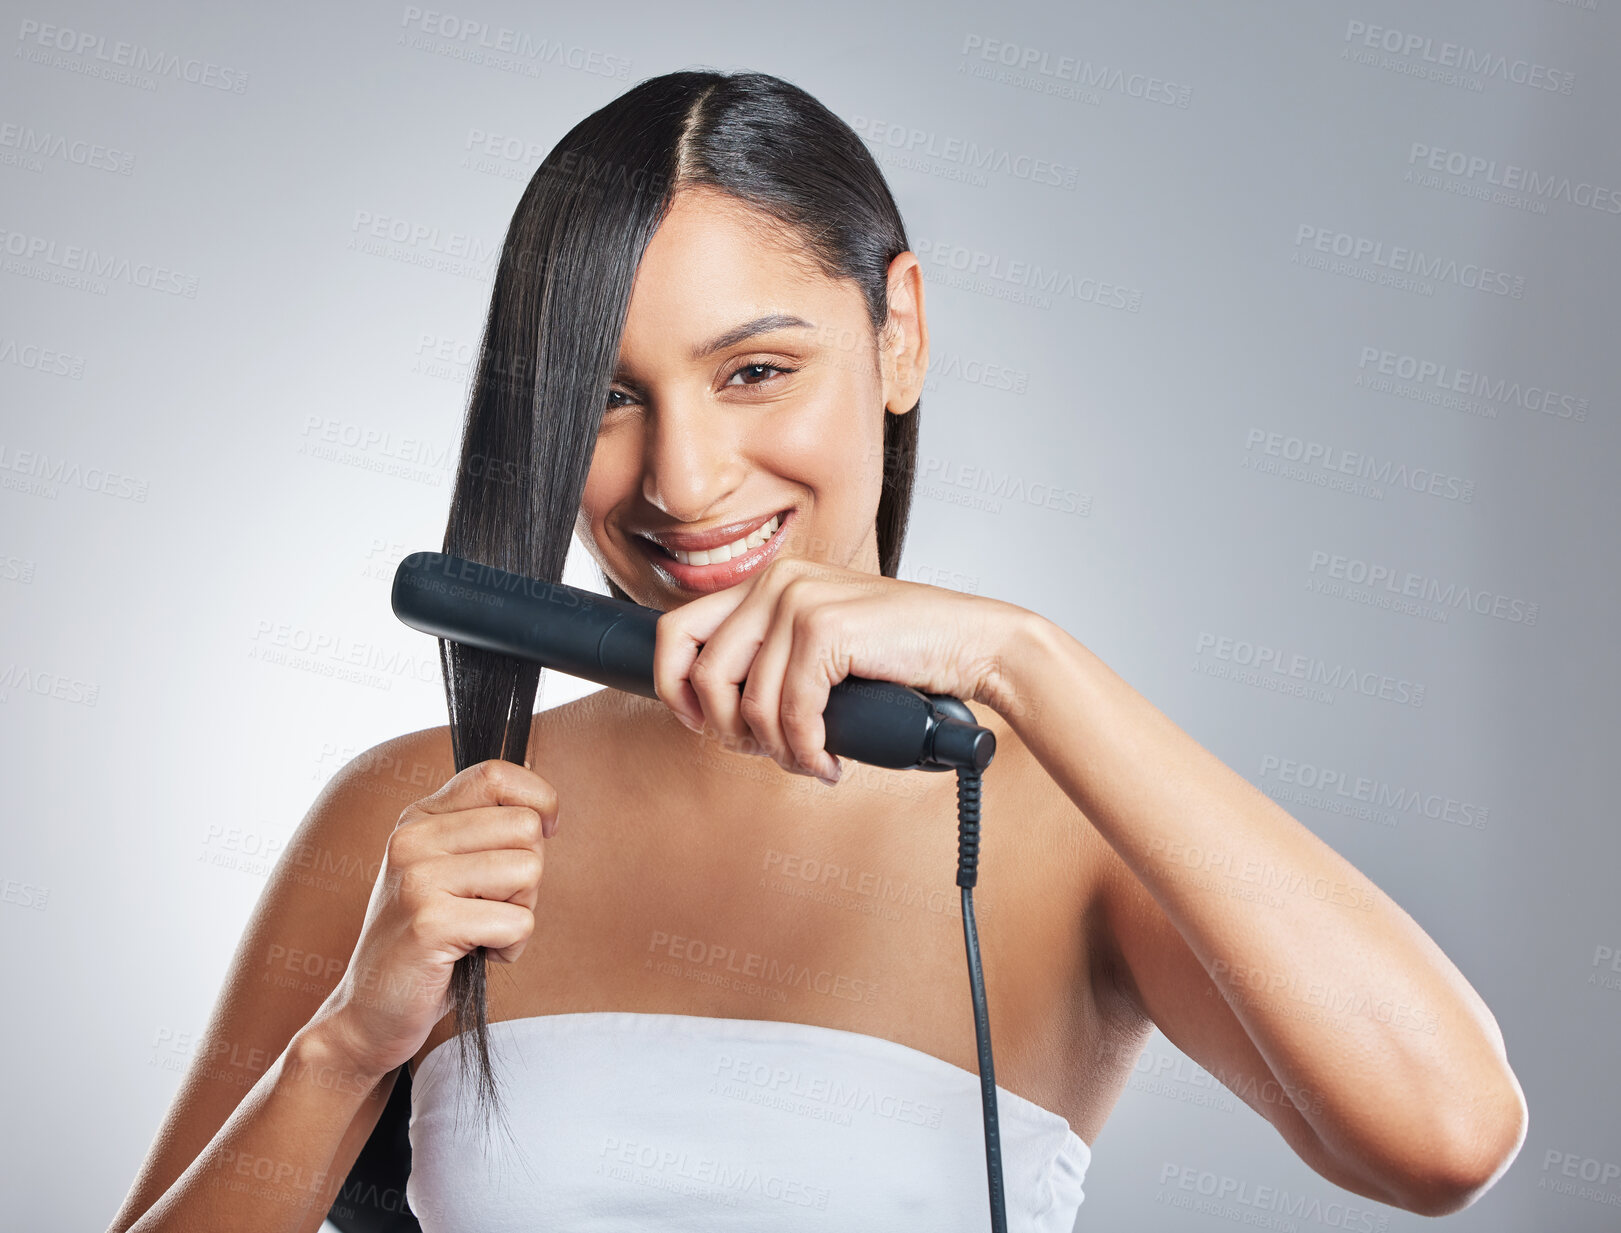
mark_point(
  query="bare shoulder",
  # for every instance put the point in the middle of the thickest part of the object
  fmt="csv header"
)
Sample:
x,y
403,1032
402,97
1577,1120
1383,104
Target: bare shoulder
x,y
379,783
365,799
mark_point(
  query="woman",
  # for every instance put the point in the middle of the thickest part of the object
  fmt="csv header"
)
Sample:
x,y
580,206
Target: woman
x,y
739,999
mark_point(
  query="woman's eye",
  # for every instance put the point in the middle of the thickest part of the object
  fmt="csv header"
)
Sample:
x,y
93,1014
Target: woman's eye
x,y
757,371
759,368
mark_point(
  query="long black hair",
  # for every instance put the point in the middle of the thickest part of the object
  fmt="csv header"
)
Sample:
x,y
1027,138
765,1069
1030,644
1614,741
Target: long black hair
x,y
551,342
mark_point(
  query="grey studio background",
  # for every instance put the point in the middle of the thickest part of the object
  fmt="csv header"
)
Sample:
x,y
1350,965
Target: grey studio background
x,y
1274,356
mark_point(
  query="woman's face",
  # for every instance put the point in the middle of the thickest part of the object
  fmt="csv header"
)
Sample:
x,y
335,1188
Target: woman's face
x,y
747,409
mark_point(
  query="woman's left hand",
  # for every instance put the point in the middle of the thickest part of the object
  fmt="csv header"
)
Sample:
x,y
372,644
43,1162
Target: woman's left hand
x,y
796,629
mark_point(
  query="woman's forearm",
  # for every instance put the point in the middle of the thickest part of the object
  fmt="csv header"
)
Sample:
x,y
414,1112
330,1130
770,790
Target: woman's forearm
x,y
1338,988
269,1167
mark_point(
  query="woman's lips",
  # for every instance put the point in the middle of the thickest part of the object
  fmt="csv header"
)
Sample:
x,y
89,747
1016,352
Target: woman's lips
x,y
703,541
716,576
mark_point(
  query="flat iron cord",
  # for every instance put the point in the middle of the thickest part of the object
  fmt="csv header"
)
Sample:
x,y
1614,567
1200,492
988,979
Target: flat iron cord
x,y
968,793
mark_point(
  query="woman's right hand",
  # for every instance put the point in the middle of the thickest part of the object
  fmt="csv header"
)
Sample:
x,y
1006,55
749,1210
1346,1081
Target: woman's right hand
x,y
461,870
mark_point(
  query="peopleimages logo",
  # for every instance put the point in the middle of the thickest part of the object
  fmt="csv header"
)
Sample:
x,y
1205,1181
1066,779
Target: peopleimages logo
x,y
83,267
1268,1207
32,146
1277,662
92,54
1514,178
1337,783
1425,51
970,155
1601,1175
41,359
1398,259
501,46
1450,595
428,238
1448,378
1019,280
1324,457
1033,63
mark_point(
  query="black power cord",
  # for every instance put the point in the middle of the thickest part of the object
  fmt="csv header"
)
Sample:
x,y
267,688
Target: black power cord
x,y
968,788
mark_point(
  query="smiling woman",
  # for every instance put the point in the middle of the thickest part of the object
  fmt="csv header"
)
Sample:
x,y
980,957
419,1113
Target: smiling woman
x,y
709,283
699,229
738,999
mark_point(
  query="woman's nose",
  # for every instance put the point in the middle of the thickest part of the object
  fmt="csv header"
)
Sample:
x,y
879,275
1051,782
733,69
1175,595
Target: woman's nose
x,y
690,462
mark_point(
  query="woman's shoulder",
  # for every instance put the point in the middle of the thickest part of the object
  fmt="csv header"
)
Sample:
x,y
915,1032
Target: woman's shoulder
x,y
380,781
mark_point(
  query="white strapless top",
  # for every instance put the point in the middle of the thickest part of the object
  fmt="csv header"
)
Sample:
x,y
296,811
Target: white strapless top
x,y
623,1120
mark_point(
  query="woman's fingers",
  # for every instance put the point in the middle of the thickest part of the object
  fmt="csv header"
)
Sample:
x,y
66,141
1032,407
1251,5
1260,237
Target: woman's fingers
x,y
737,665
494,781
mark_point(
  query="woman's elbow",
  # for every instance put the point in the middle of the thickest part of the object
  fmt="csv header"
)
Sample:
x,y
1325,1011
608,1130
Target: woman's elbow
x,y
1464,1161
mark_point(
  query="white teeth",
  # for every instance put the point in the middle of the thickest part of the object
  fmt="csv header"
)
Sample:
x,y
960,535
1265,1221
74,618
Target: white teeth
x,y
715,556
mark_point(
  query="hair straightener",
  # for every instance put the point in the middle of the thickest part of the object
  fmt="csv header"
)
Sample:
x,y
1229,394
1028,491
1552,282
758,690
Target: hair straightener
x,y
610,642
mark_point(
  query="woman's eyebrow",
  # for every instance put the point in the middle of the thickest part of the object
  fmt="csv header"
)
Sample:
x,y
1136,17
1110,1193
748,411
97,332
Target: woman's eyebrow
x,y
760,325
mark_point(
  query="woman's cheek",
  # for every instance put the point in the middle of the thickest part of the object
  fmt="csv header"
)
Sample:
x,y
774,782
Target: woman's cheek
x,y
815,430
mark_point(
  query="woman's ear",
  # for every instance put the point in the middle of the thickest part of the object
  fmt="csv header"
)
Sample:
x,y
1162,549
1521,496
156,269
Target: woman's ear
x,y
904,344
